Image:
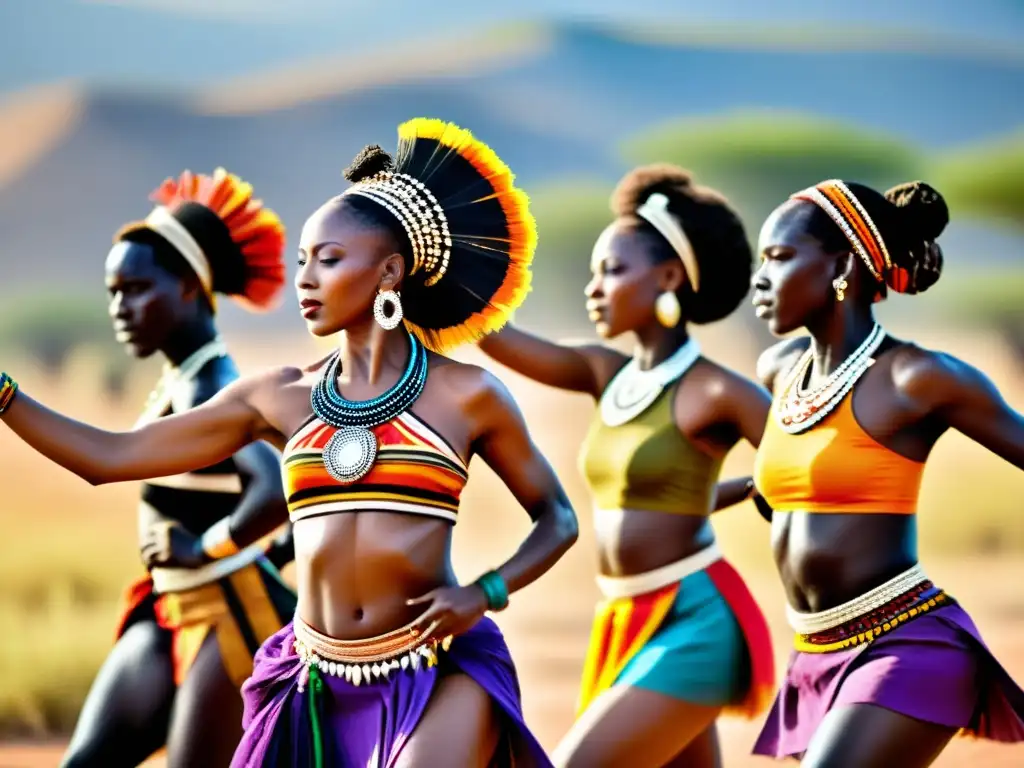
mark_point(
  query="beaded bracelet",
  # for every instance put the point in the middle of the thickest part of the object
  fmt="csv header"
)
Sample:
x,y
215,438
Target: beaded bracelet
x,y
495,589
216,541
8,388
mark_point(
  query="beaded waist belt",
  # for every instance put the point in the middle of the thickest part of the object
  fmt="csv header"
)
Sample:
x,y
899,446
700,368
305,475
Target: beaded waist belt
x,y
875,622
364,661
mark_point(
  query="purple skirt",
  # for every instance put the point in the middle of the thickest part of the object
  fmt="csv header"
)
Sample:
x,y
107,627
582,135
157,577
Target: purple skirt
x,y
935,668
367,726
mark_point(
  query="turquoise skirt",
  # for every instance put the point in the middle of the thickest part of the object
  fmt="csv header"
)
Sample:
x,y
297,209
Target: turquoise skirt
x,y
699,652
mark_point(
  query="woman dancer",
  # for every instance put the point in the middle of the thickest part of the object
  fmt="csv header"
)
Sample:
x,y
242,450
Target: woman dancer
x,y
887,666
388,658
192,624
678,636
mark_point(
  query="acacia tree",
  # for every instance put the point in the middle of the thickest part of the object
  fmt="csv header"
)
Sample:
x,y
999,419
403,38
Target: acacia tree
x,y
986,182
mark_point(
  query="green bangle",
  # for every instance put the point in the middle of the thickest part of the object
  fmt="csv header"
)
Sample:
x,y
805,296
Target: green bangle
x,y
494,588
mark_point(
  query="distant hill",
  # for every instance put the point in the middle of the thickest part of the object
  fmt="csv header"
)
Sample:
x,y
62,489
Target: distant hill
x,y
175,43
555,100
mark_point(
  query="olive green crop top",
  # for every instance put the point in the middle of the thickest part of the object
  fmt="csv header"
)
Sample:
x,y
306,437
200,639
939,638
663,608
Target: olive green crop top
x,y
647,463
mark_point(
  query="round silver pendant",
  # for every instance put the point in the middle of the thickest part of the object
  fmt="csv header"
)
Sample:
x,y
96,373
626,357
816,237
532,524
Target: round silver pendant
x,y
350,453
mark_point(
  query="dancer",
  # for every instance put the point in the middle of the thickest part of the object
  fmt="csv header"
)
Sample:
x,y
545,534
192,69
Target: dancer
x,y
192,624
887,666
677,636
388,658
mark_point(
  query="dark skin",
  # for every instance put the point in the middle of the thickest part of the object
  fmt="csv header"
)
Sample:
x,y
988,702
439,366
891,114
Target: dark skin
x,y
907,400
367,573
134,706
714,408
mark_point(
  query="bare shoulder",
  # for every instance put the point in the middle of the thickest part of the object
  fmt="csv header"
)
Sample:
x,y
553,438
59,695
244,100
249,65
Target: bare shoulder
x,y
779,358
314,367
720,383
932,378
605,361
262,388
470,386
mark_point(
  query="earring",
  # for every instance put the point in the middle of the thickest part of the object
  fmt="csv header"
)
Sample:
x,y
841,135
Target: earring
x,y
385,321
840,285
667,309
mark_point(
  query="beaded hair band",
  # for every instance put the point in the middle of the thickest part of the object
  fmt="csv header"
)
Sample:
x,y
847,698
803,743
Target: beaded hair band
x,y
843,207
411,202
655,212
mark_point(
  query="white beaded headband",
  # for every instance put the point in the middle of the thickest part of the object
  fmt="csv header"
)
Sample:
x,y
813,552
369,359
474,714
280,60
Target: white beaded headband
x,y
412,203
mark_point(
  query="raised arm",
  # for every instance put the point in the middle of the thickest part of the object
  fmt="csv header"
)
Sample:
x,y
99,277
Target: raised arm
x,y
578,368
965,399
180,443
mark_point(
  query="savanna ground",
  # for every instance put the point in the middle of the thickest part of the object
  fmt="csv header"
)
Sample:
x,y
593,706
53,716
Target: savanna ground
x,y
68,550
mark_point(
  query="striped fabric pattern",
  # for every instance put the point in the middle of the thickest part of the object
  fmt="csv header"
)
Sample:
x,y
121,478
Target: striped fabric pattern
x,y
416,472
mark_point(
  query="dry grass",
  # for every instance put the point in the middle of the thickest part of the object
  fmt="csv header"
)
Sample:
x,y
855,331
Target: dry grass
x,y
68,551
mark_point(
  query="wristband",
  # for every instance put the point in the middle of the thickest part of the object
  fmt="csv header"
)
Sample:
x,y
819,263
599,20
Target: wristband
x,y
495,589
217,542
8,388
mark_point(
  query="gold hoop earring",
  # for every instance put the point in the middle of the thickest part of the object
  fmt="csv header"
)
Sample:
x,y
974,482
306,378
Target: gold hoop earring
x,y
840,285
667,309
385,321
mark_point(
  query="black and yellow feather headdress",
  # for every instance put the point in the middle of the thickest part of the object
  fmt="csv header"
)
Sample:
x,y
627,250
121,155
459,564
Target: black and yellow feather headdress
x,y
470,231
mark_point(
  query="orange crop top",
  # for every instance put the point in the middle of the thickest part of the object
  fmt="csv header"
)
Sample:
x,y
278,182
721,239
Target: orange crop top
x,y
834,467
416,472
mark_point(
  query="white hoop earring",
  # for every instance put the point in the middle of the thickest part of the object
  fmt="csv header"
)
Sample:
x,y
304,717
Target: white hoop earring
x,y
385,321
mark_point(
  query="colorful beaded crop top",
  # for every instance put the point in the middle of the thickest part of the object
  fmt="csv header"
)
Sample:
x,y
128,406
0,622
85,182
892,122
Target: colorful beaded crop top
x,y
416,472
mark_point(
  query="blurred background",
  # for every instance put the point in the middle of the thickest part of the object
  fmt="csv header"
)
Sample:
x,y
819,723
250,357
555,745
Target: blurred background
x,y
100,100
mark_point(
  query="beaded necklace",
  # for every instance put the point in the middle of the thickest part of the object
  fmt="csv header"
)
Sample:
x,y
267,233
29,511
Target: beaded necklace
x,y
352,450
173,376
797,409
633,390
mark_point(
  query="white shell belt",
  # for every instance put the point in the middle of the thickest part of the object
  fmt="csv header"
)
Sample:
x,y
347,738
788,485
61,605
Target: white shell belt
x,y
811,623
364,661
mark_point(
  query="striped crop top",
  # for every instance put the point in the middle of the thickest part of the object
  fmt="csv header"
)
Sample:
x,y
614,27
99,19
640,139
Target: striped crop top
x,y
416,472
834,467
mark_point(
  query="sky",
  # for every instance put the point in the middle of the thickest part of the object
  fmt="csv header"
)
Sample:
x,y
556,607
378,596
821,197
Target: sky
x,y
185,43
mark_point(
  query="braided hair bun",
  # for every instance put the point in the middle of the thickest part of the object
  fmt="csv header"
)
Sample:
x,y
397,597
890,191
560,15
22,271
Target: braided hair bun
x,y
921,216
